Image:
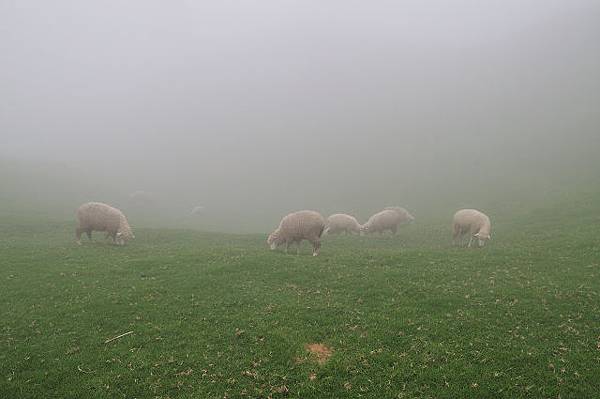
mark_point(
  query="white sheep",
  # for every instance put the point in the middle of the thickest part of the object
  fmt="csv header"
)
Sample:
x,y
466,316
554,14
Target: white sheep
x,y
473,222
96,216
197,210
405,215
298,226
342,223
382,221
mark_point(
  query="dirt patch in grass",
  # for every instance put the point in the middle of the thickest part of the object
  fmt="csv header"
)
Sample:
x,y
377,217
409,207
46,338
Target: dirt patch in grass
x,y
319,352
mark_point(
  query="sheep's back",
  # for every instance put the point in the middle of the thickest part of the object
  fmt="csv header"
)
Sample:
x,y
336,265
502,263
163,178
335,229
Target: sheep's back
x,y
99,216
405,215
342,220
302,224
471,218
384,219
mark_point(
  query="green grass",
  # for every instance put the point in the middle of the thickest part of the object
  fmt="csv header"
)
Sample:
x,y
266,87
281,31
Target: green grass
x,y
220,316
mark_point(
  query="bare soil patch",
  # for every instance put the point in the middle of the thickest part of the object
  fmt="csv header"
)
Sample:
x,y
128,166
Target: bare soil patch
x,y
319,352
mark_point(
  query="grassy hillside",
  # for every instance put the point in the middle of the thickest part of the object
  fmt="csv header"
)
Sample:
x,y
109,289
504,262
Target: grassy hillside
x,y
216,316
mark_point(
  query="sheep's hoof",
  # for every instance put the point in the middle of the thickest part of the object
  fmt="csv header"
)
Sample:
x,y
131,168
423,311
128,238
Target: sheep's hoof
x,y
315,254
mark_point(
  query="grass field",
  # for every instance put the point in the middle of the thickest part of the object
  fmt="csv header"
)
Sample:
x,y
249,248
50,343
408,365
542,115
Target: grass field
x,y
220,316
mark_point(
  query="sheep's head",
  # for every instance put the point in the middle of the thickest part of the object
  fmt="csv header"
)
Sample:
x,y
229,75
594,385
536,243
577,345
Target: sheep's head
x,y
482,238
122,237
274,240
363,229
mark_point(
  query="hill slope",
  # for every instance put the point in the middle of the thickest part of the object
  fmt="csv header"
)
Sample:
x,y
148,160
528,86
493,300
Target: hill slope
x,y
216,316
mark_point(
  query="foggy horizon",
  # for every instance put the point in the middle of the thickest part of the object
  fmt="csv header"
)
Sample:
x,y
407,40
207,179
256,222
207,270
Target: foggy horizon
x,y
274,106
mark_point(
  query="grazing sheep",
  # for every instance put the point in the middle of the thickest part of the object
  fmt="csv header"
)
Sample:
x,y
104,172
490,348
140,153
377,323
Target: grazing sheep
x,y
405,215
298,226
96,216
342,223
382,221
473,222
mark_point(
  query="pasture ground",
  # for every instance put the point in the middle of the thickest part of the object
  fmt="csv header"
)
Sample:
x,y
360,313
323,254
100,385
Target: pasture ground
x,y
220,316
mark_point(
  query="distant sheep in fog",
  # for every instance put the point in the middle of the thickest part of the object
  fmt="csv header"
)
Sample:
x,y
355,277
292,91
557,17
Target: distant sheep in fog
x,y
382,221
342,223
197,210
96,216
473,222
298,226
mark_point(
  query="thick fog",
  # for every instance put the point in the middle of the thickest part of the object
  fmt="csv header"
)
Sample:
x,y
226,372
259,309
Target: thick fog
x,y
252,109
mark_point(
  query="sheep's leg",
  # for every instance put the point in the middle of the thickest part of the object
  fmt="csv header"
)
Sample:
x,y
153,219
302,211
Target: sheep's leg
x,y
316,247
78,232
470,242
455,235
287,247
89,234
394,230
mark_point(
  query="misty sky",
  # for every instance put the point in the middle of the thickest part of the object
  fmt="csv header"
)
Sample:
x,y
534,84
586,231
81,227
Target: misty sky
x,y
285,97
